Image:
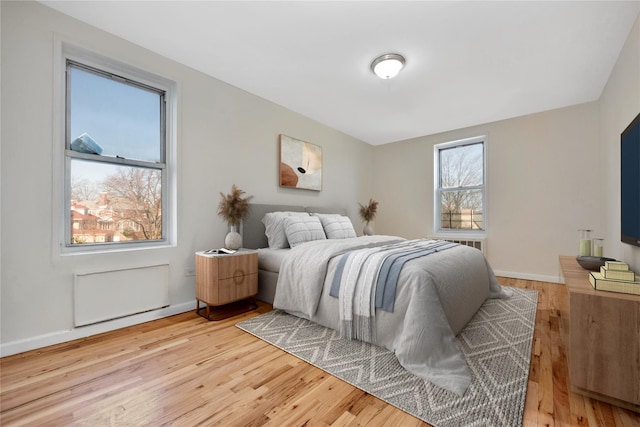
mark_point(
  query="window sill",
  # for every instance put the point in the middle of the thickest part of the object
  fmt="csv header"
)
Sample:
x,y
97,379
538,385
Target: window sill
x,y
73,251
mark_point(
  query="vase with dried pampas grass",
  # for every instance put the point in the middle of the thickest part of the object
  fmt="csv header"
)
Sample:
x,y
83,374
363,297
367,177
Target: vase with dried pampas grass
x,y
233,208
368,213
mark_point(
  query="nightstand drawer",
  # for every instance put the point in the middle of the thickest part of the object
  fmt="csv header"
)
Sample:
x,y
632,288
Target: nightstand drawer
x,y
236,288
234,265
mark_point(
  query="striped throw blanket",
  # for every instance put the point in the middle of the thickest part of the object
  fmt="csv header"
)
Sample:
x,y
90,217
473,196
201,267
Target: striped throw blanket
x,y
366,279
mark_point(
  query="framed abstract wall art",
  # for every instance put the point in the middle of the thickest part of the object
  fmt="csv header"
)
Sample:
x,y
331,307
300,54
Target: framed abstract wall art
x,y
300,164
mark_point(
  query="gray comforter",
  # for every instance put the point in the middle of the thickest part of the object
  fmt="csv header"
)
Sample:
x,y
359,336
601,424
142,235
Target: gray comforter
x,y
436,297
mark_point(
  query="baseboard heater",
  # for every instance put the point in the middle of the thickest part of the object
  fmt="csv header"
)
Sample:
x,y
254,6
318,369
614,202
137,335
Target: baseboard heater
x,y
107,295
479,244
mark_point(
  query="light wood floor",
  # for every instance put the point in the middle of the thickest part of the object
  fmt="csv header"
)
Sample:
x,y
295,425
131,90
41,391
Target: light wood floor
x,y
186,371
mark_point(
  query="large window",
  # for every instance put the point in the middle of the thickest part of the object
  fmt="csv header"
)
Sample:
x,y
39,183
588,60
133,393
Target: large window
x,y
460,186
115,152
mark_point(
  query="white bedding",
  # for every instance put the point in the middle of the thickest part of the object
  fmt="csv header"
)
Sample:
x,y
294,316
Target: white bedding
x,y
436,297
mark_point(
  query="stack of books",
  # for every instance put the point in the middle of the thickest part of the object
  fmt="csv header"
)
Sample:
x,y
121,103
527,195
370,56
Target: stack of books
x,y
615,276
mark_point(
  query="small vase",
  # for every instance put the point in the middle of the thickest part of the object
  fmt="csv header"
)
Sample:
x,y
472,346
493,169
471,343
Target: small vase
x,y
368,229
233,240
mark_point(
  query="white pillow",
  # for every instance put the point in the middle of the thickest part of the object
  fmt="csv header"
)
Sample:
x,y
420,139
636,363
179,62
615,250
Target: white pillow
x,y
300,229
336,226
274,228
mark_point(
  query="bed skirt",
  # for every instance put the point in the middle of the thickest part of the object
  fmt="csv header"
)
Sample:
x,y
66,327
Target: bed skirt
x,y
267,281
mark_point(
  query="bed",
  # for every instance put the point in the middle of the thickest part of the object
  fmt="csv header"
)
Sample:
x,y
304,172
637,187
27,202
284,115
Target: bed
x,y
435,287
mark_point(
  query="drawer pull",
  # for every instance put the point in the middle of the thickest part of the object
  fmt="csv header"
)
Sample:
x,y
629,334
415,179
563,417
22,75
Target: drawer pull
x,y
238,277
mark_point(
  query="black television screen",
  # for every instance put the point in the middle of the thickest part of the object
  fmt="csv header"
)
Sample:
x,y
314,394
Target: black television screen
x,y
630,183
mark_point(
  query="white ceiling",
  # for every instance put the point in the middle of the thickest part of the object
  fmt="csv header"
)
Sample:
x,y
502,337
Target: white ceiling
x,y
467,62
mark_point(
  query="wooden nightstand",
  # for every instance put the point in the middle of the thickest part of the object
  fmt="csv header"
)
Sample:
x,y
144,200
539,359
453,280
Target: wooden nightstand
x,y
225,282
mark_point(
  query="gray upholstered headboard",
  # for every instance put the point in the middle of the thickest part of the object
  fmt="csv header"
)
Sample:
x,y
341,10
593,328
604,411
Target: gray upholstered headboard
x,y
253,236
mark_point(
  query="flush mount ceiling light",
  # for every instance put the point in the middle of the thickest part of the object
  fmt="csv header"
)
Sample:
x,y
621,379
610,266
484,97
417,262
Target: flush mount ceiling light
x,y
388,65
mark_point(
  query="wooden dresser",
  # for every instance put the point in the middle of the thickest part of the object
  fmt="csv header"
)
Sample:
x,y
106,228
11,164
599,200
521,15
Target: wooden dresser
x,y
604,343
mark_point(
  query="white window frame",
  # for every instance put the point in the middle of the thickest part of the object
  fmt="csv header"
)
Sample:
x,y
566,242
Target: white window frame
x,y
169,173
437,191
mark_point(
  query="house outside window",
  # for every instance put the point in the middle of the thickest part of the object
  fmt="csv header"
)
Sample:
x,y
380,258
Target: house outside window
x,y
116,169
460,186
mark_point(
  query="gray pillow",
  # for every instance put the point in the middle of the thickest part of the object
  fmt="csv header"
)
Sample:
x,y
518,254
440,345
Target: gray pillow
x,y
336,226
300,229
274,228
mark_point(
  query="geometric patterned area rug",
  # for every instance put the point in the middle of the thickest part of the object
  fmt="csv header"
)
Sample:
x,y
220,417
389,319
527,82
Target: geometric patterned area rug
x,y
496,343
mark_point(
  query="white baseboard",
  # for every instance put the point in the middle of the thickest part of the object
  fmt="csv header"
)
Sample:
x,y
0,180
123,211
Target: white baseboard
x,y
19,346
529,276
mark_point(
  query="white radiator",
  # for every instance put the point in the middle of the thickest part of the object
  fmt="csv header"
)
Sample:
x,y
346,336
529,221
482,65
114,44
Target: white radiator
x,y
479,244
107,295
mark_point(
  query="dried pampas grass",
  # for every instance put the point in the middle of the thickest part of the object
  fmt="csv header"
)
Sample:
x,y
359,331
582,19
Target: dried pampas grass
x,y
233,208
368,213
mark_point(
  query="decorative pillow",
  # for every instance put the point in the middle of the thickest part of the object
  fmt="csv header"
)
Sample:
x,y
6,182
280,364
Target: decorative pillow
x,y
300,229
274,228
336,226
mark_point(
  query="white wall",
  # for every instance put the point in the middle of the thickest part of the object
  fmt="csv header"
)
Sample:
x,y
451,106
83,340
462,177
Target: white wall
x,y
619,104
225,136
542,186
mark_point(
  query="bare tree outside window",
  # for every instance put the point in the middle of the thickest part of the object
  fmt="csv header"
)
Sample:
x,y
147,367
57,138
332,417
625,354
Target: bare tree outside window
x,y
460,186
137,202
83,189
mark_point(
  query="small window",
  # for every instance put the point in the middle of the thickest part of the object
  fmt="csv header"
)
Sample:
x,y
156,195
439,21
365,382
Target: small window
x,y
460,186
115,167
